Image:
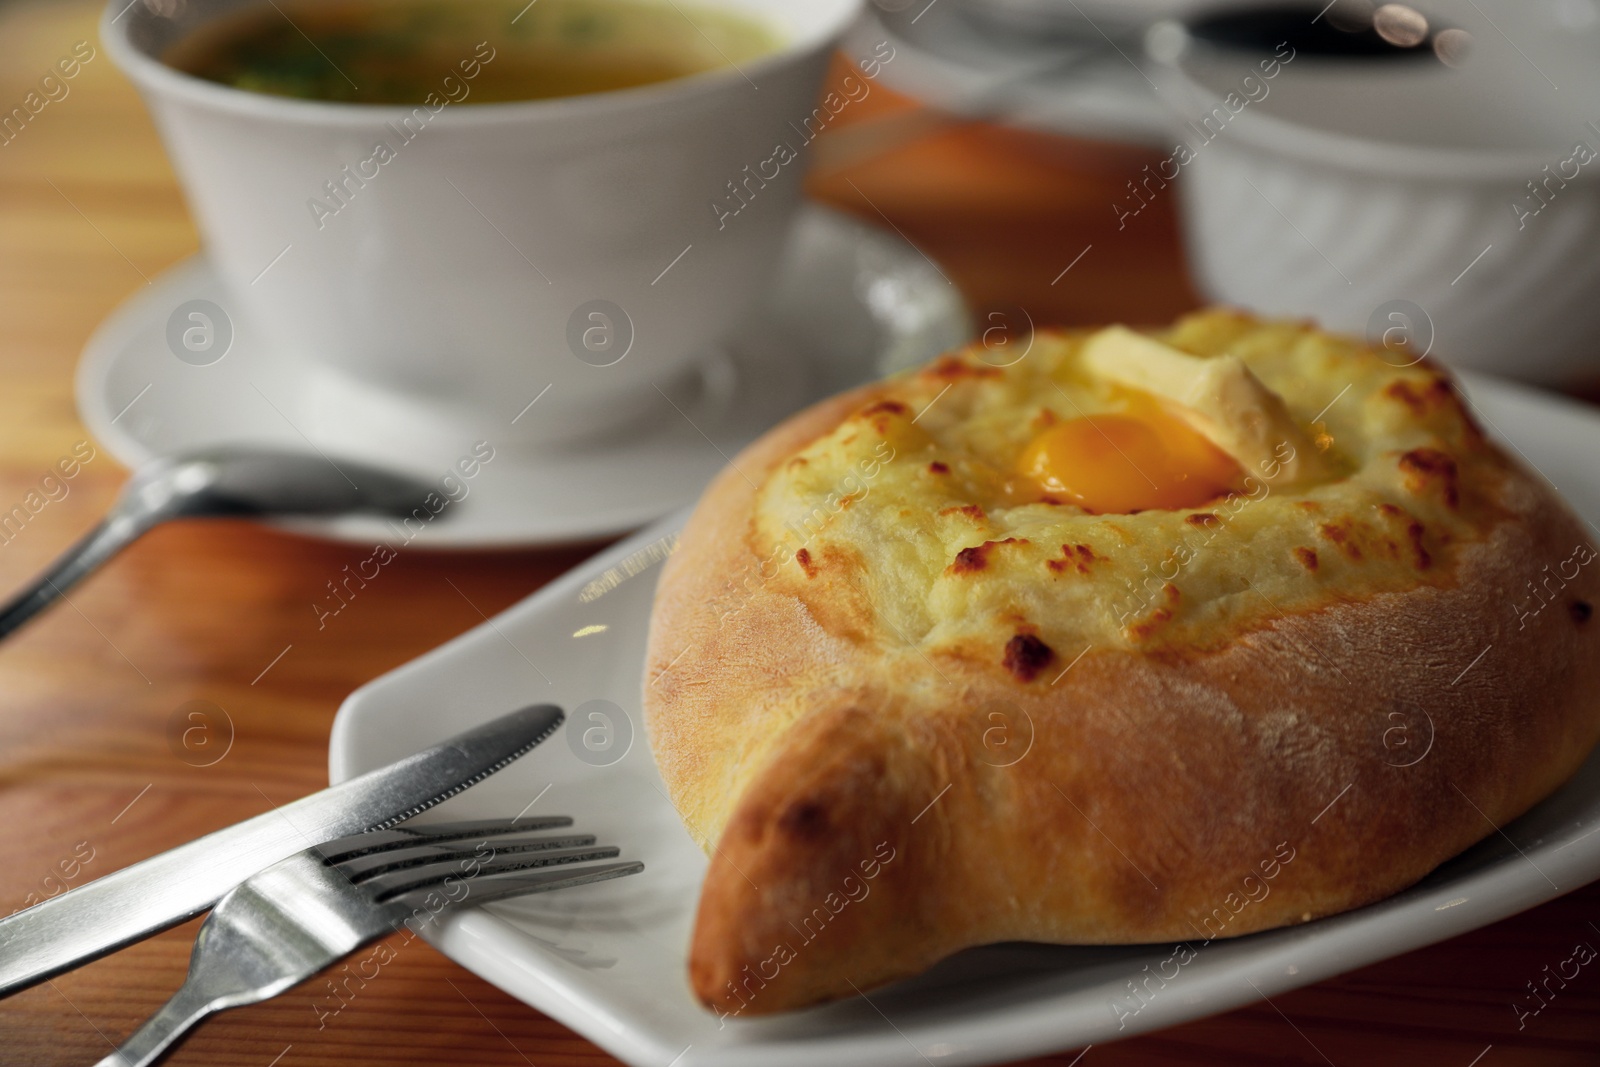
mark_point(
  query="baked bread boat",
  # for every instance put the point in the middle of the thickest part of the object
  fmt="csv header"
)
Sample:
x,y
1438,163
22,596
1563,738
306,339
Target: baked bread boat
x,y
1139,638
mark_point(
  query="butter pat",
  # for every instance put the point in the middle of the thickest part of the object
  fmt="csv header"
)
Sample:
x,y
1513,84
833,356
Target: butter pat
x,y
1217,395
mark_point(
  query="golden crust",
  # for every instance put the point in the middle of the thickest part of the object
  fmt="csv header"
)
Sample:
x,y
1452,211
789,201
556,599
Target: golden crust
x,y
874,803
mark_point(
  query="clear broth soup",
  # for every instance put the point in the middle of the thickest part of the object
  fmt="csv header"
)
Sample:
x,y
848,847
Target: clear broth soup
x,y
493,51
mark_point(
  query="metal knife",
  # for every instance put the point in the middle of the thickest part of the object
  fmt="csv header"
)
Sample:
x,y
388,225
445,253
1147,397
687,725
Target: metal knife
x,y
102,916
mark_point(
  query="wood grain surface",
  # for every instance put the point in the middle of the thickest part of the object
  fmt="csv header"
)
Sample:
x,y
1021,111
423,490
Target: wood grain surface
x,y
89,213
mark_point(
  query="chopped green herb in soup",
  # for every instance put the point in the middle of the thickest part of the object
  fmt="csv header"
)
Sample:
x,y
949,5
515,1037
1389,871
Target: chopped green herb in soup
x,y
400,51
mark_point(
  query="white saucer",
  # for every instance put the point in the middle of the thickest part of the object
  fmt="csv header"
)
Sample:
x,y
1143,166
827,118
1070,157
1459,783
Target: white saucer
x,y
610,960
849,301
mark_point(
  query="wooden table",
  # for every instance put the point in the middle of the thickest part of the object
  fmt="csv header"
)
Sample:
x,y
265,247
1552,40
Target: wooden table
x,y
89,212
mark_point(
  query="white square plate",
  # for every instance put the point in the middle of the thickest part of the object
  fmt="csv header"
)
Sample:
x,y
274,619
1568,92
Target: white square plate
x,y
609,960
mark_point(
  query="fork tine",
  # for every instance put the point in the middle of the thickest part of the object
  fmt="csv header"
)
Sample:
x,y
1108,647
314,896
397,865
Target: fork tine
x,y
405,836
385,887
488,888
434,831
363,867
297,916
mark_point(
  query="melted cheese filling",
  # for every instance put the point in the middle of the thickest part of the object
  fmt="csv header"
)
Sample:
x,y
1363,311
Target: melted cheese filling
x,y
1255,468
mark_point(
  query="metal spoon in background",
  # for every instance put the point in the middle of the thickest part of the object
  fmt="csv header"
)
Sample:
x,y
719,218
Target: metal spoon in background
x,y
217,482
1355,31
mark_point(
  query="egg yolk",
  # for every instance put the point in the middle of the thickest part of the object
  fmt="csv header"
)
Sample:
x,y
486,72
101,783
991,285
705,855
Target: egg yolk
x,y
1118,463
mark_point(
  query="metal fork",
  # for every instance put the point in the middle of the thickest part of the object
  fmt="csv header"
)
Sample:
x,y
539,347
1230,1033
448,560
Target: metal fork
x,y
298,916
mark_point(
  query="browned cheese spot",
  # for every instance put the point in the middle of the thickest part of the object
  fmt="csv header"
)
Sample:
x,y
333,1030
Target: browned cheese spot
x,y
1415,532
803,558
1425,467
1438,395
1142,629
1419,554
1421,399
976,558
1307,558
1340,534
953,368
1026,656
1158,618
881,412
1073,557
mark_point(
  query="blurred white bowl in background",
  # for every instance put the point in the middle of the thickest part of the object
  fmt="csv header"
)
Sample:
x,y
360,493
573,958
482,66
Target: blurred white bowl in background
x,y
1455,209
1388,197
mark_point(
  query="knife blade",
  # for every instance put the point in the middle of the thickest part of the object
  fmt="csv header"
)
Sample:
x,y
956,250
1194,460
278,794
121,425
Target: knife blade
x,y
147,897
